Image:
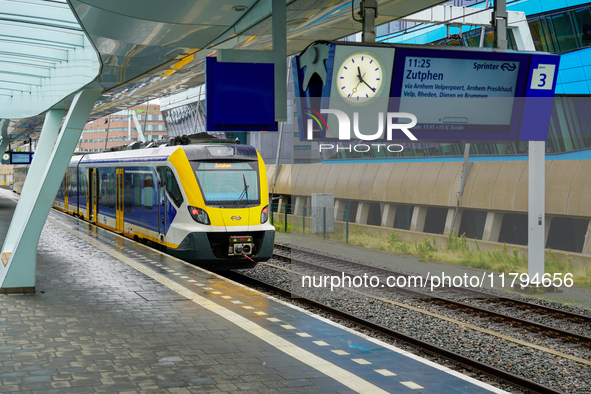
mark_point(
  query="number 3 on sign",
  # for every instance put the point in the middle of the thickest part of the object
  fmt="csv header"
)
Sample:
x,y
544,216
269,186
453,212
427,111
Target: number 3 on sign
x,y
543,77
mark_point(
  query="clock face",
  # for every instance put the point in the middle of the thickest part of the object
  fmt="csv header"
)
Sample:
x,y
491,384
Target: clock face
x,y
359,78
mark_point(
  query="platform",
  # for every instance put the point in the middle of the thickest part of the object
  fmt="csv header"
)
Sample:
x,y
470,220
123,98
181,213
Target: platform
x,y
111,315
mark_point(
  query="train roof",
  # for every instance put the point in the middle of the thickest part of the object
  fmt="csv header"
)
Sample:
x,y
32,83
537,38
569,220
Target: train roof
x,y
194,152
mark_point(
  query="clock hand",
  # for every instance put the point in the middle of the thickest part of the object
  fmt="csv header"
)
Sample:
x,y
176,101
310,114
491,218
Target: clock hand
x,y
360,80
368,85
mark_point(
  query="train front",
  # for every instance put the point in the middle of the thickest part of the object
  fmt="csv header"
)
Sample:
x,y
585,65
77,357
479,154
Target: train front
x,y
228,203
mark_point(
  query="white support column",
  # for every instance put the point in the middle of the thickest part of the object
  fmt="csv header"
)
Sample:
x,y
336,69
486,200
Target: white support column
x,y
388,215
299,205
450,223
587,244
492,226
4,140
362,213
419,214
536,209
548,221
19,253
281,207
339,209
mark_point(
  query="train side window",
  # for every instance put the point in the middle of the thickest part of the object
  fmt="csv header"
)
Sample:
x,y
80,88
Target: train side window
x,y
171,184
104,191
137,190
128,193
112,191
148,192
172,187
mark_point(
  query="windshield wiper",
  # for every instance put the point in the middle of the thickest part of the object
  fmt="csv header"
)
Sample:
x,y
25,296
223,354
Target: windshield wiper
x,y
244,192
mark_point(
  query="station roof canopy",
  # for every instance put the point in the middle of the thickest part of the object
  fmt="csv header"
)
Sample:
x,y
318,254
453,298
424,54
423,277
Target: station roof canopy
x,y
145,49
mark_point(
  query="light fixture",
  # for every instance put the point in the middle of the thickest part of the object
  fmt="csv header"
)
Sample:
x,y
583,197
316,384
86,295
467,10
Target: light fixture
x,y
240,8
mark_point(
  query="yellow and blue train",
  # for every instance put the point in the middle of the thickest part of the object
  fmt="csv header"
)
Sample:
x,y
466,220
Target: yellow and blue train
x,y
206,204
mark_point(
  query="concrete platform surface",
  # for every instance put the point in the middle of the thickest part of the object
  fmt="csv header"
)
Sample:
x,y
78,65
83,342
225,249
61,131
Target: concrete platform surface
x,y
111,315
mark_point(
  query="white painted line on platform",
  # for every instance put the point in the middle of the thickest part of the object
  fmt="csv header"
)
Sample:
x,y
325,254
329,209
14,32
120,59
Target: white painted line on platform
x,y
385,372
341,375
360,361
304,334
320,343
273,319
340,352
412,385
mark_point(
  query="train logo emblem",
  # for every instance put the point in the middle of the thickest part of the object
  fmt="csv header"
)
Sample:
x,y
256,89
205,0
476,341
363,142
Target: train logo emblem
x,y
236,218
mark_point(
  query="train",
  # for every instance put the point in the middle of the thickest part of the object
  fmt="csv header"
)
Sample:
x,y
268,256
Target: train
x,y
207,204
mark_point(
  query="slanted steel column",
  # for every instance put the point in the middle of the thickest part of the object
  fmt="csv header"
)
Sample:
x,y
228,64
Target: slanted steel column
x,y
19,253
4,140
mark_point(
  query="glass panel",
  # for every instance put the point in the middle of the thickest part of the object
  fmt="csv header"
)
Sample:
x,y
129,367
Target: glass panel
x,y
537,34
112,191
582,19
562,31
148,192
228,183
128,193
137,190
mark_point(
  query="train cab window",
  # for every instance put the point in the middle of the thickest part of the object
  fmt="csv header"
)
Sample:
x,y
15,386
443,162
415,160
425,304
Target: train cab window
x,y
228,183
127,195
149,192
171,185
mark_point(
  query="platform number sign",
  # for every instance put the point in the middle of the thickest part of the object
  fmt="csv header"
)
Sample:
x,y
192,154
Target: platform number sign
x,y
543,77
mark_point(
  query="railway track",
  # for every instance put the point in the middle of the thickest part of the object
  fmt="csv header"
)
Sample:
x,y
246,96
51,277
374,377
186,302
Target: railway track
x,y
458,359
445,296
462,299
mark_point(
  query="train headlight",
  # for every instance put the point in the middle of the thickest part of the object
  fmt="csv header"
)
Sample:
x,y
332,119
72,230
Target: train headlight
x,y
265,214
199,215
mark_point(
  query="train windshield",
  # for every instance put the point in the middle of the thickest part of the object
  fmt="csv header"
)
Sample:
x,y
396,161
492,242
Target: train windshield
x,y
228,184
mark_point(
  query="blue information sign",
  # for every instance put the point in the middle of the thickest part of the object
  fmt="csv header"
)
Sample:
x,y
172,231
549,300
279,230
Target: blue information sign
x,y
456,95
239,96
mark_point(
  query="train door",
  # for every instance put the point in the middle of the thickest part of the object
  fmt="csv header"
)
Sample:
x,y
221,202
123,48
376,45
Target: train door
x,y
90,194
119,198
161,204
66,184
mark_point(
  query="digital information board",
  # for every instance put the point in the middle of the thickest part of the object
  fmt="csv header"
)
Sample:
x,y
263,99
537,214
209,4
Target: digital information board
x,y
456,95
20,158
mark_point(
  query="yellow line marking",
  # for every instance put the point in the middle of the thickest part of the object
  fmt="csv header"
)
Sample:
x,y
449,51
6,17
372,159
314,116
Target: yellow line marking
x,y
384,372
412,385
331,370
226,297
261,313
462,324
217,292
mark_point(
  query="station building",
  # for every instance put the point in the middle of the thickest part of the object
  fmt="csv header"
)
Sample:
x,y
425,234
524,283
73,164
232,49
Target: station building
x,y
120,128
